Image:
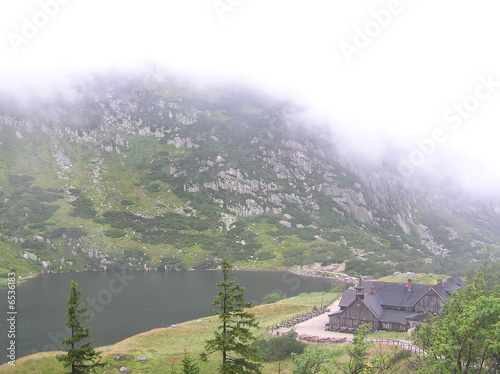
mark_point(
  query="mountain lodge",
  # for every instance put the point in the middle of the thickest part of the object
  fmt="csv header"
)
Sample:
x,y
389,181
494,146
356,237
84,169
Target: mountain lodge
x,y
391,306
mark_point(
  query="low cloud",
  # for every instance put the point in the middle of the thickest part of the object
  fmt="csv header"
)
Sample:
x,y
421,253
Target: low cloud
x,y
416,65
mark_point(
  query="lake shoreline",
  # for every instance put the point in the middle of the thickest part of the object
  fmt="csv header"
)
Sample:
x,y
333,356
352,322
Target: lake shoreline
x,y
122,304
344,279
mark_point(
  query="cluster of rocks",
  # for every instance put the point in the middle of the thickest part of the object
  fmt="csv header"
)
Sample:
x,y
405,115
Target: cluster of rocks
x,y
124,369
427,239
334,271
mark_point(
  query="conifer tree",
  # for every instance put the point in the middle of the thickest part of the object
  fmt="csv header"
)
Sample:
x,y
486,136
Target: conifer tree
x,y
233,337
189,366
82,359
358,352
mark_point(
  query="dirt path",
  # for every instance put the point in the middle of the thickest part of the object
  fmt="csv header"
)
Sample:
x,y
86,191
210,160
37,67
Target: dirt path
x,y
316,326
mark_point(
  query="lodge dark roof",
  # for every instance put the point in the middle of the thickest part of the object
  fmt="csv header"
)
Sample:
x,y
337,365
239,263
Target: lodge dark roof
x,y
398,294
392,301
372,303
394,316
450,285
454,283
384,315
387,294
441,290
395,302
348,297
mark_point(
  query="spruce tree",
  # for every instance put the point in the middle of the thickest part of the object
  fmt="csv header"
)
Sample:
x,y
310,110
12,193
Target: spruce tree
x,y
189,366
82,359
233,337
358,352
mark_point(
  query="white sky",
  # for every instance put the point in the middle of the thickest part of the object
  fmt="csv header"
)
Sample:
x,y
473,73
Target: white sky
x,y
421,61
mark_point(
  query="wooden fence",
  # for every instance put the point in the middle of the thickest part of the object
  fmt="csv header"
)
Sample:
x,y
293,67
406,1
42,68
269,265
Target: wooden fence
x,y
401,345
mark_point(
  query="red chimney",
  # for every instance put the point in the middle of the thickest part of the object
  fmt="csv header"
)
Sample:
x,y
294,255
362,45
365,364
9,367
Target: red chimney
x,y
439,281
409,285
430,286
372,290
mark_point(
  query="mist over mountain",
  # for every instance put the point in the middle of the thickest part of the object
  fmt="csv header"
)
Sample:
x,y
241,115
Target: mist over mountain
x,y
150,170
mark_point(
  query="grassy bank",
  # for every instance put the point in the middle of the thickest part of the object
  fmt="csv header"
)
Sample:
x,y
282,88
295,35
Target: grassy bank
x,y
422,278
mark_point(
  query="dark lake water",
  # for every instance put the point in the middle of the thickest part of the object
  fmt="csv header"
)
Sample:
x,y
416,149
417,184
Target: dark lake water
x,y
122,304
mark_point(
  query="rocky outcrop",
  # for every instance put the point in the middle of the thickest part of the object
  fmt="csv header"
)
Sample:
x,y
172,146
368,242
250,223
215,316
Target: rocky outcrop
x,y
353,202
244,161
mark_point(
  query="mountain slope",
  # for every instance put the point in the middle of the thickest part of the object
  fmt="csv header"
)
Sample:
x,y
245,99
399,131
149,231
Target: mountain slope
x,y
154,173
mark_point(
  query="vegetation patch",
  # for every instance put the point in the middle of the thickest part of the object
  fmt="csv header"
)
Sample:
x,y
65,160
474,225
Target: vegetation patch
x,y
280,347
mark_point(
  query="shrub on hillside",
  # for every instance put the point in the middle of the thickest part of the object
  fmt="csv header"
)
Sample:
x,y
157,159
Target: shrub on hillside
x,y
280,347
115,233
152,187
83,208
264,255
172,263
75,191
206,264
272,298
19,180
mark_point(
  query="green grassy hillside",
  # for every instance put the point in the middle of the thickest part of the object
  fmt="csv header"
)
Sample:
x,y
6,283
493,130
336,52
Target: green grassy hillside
x,y
421,278
173,177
